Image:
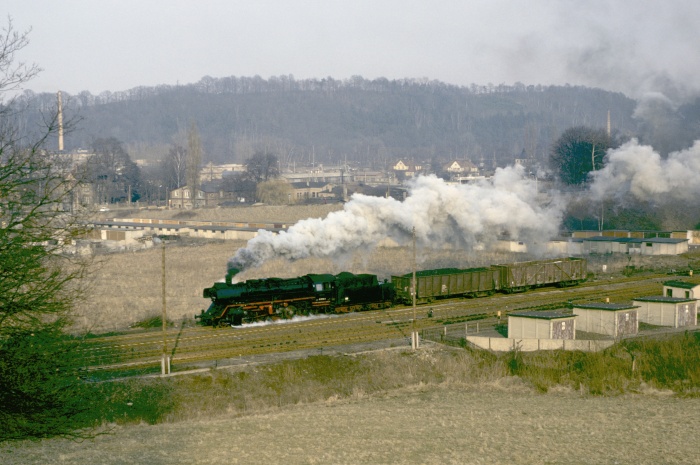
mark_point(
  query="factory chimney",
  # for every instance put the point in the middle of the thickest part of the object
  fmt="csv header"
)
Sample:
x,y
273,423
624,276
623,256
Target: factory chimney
x,y
60,123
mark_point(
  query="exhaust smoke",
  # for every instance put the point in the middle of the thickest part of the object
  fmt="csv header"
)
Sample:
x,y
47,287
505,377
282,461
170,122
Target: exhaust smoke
x,y
442,214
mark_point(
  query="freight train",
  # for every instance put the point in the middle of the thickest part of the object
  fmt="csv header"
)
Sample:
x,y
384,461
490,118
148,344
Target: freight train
x,y
275,298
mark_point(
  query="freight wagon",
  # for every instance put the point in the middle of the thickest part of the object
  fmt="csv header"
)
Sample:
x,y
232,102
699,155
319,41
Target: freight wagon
x,y
477,282
447,282
521,276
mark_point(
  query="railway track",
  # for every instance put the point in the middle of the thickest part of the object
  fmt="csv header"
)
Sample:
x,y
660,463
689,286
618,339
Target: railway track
x,y
189,346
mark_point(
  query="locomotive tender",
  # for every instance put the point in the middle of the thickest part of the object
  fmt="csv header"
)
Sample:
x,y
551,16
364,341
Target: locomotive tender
x,y
276,298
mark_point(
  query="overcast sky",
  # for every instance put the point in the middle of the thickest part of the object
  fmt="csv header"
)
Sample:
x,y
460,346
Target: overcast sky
x,y
632,46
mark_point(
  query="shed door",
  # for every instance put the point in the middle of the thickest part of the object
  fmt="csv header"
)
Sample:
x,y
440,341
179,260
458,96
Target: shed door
x,y
626,323
563,329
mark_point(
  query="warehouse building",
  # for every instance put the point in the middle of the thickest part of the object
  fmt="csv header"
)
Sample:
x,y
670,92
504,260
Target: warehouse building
x,y
542,325
667,311
610,319
634,245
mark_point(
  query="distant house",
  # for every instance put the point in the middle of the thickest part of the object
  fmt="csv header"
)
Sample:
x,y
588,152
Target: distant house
x,y
406,169
210,194
461,168
182,198
312,190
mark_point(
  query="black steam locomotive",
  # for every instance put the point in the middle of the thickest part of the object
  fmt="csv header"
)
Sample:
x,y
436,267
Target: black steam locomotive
x,y
276,298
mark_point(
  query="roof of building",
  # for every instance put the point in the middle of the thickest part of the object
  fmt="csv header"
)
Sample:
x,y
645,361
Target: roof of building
x,y
639,240
681,284
310,185
663,299
544,315
606,306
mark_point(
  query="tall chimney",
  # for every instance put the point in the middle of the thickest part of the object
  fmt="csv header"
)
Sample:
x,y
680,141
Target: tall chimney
x,y
60,123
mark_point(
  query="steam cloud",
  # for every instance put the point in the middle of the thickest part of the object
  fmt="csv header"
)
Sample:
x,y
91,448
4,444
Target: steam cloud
x,y
641,172
442,214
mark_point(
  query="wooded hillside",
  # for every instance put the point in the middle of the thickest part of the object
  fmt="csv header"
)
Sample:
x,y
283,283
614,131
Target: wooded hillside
x,y
327,120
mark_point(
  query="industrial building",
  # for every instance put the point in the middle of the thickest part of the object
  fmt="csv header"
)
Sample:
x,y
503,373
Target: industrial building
x,y
667,311
609,319
683,289
542,325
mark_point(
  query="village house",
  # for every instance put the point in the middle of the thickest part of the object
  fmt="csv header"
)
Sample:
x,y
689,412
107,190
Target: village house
x,y
406,169
311,190
461,168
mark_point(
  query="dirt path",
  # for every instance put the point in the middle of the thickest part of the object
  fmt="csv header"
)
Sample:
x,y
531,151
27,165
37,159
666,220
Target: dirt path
x,y
501,423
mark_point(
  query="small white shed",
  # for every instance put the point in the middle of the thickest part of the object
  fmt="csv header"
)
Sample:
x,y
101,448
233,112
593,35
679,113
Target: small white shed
x,y
605,318
683,289
667,311
542,325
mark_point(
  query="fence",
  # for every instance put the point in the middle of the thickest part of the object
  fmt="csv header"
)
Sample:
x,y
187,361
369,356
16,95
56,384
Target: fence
x,y
455,333
469,333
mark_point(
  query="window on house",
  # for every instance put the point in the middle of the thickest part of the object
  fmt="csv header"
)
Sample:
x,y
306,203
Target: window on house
x,y
687,294
669,292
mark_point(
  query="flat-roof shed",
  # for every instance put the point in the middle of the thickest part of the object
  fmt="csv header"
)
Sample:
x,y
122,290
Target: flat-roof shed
x,y
667,311
683,289
542,325
605,318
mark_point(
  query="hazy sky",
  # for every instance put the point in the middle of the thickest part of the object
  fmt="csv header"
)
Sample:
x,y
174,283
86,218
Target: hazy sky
x,y
632,46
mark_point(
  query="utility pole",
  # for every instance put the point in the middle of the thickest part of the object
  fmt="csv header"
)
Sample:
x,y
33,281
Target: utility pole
x,y
414,290
165,362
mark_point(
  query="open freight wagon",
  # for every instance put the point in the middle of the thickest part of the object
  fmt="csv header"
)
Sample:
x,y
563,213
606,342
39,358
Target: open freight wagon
x,y
521,276
478,282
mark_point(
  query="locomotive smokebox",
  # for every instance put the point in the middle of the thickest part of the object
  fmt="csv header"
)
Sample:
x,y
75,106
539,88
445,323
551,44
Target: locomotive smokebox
x,y
231,273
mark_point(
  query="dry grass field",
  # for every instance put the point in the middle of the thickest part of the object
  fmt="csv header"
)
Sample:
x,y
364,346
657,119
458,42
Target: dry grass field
x,y
437,405
126,288
495,422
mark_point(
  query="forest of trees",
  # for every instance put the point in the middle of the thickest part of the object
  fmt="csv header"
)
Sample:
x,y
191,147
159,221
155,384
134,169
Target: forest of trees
x,y
371,122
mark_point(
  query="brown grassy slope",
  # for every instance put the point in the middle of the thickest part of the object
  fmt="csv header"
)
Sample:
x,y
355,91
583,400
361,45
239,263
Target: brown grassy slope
x,y
498,423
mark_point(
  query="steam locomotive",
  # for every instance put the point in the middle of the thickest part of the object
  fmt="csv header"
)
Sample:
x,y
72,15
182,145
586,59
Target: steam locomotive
x,y
275,298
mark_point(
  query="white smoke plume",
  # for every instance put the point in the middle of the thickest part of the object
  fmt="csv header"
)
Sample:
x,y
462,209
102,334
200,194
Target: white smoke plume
x,y
639,171
442,214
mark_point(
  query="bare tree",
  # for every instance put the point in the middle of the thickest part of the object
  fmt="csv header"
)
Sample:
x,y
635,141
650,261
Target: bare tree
x,y
194,161
39,280
175,167
262,166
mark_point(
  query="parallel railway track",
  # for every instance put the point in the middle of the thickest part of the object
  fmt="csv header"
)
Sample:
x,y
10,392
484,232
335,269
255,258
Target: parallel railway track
x,y
189,346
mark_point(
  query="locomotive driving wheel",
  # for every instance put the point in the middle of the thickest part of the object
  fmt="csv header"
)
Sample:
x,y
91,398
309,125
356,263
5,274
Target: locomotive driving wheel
x,y
288,311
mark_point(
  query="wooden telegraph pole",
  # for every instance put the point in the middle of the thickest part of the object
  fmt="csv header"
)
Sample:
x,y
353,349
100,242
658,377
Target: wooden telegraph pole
x,y
414,290
165,362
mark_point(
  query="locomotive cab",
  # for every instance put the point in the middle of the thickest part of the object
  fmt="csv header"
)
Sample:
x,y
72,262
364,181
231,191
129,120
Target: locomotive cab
x,y
323,286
